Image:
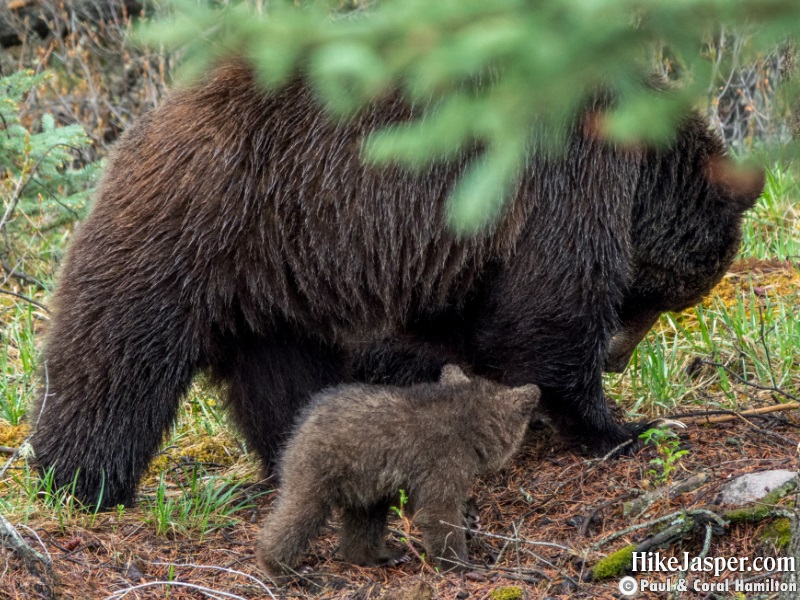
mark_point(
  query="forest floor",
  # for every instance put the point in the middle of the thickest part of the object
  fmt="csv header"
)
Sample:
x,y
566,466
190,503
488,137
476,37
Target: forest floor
x,y
542,526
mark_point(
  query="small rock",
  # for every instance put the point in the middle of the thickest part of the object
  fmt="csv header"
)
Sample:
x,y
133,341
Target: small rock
x,y
753,486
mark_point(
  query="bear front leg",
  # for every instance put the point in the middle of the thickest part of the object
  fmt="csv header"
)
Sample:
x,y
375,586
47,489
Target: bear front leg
x,y
446,545
438,506
565,358
362,536
584,417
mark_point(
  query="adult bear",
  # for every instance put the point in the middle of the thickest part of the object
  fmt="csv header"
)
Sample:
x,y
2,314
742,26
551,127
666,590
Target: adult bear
x,y
238,232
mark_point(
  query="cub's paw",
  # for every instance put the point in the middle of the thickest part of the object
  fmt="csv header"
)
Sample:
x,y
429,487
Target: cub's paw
x,y
471,518
393,559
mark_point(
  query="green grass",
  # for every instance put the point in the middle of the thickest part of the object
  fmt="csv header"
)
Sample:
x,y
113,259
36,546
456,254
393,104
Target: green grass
x,y
18,363
772,228
758,338
205,503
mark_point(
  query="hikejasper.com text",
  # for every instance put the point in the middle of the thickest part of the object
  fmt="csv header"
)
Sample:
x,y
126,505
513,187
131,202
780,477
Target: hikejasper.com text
x,y
650,562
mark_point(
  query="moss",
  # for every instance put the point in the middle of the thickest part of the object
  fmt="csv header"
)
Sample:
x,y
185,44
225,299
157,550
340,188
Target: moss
x,y
614,564
747,515
510,592
778,533
763,508
192,449
13,435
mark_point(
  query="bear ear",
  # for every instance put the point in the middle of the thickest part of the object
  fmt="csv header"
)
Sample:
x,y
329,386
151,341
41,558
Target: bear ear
x,y
453,374
744,184
528,395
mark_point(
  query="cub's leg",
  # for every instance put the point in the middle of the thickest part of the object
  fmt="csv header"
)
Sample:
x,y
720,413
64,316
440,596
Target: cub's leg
x,y
439,517
363,535
290,529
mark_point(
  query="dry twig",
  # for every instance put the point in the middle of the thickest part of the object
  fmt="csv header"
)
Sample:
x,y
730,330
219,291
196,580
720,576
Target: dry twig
x,y
733,415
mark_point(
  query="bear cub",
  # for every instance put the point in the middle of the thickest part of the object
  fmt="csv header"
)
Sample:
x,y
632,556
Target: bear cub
x,y
356,446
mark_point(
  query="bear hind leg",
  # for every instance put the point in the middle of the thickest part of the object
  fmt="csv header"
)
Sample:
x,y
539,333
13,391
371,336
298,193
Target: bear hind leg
x,y
289,532
110,396
268,383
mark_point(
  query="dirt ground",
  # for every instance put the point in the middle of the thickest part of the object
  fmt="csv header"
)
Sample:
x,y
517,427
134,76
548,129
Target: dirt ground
x,y
552,495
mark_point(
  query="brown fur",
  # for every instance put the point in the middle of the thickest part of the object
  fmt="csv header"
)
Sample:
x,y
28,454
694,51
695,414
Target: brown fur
x,y
356,446
239,232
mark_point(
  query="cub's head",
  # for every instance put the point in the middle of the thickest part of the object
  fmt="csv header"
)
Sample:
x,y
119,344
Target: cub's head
x,y
523,400
499,415
686,229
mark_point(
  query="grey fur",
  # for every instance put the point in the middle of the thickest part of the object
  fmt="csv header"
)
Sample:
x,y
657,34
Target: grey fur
x,y
356,446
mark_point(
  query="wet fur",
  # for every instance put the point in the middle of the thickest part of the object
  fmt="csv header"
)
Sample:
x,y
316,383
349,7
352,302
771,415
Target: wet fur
x,y
238,232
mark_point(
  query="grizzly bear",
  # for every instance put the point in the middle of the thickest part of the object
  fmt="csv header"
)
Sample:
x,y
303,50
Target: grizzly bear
x,y
238,232
355,446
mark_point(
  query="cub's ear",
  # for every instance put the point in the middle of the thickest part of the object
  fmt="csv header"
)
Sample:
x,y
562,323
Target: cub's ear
x,y
743,184
528,395
453,374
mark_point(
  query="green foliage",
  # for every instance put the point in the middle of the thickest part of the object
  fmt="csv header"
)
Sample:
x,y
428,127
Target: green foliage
x,y
669,453
399,510
502,75
614,564
60,501
37,170
204,504
768,228
779,534
509,592
18,365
